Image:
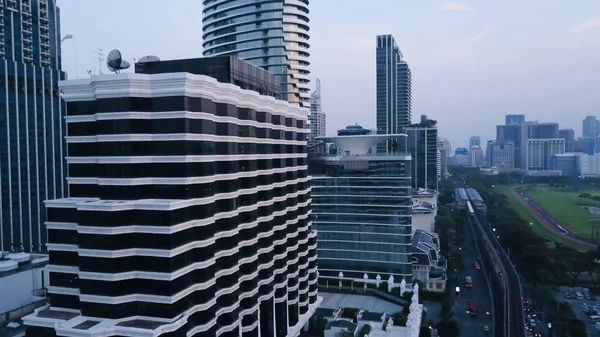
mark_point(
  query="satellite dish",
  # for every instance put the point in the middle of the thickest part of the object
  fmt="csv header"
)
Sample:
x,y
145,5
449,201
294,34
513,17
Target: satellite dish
x,y
149,58
115,62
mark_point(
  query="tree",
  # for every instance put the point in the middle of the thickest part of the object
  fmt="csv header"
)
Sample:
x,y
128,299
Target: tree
x,y
571,261
448,328
577,328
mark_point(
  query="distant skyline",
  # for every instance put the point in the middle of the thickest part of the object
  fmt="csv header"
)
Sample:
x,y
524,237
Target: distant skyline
x,y
472,61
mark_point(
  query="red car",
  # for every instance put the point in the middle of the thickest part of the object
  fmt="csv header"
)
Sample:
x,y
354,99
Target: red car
x,y
477,266
468,282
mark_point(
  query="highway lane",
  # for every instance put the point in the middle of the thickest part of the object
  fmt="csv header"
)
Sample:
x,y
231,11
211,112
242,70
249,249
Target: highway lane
x,y
473,326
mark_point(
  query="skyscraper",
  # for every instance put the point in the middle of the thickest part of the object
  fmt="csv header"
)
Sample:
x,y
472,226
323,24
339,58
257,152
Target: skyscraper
x,y
474,141
590,127
270,34
32,129
514,119
188,212
318,127
569,136
422,144
394,90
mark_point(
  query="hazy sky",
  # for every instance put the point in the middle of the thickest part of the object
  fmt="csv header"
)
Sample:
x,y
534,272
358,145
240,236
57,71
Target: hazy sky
x,y
472,61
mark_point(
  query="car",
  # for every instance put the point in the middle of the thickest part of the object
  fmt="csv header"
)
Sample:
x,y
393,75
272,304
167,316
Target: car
x,y
477,266
486,329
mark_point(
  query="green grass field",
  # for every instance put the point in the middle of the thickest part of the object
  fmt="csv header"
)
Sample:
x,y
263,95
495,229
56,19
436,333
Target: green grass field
x,y
565,207
536,226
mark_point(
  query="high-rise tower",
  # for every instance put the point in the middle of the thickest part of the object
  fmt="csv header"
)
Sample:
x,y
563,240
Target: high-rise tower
x,y
394,90
32,129
188,212
317,116
269,34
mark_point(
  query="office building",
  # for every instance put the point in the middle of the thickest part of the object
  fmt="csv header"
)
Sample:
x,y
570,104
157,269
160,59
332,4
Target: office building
x,y
422,144
445,150
545,131
32,132
318,127
394,90
501,153
589,165
514,119
566,163
569,136
362,210
474,141
461,151
590,127
476,156
540,152
188,212
272,35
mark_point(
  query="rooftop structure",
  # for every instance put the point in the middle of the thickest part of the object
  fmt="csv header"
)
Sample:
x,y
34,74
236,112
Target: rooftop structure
x,y
359,145
429,266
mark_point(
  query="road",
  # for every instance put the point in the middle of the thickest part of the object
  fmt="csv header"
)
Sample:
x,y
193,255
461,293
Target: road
x,y
473,326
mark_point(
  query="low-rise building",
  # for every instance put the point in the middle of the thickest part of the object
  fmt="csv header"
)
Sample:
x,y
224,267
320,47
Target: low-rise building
x,y
23,280
423,216
429,266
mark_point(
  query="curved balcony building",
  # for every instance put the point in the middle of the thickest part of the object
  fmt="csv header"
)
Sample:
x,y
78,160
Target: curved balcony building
x,y
270,34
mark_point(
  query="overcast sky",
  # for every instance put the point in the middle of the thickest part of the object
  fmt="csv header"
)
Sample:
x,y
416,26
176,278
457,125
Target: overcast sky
x,y
472,61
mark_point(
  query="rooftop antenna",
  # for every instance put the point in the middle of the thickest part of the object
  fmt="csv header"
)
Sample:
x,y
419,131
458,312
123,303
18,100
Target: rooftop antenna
x,y
100,58
115,62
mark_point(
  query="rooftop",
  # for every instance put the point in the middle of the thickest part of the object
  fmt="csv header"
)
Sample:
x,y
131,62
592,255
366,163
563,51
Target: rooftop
x,y
463,194
371,316
420,206
423,192
358,144
325,312
86,325
344,324
21,262
57,314
425,247
141,324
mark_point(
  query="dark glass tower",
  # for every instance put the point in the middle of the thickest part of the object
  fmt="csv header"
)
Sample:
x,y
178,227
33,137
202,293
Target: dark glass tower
x,y
394,90
32,130
422,144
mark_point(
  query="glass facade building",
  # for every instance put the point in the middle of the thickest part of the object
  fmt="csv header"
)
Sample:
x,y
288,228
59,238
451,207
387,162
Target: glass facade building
x,y
362,211
32,129
394,90
270,34
422,144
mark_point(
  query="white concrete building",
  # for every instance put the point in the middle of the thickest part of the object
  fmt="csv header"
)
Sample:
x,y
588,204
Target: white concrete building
x,y
23,279
540,152
429,266
589,166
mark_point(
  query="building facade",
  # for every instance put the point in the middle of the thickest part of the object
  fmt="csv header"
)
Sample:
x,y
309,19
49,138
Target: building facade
x,y
188,212
362,210
501,153
540,152
514,119
422,144
270,34
318,126
474,141
32,132
476,156
445,150
566,163
589,165
545,131
394,90
569,136
590,127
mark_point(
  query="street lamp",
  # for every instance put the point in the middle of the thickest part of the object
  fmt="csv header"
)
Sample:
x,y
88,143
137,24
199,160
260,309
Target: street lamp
x,y
71,37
